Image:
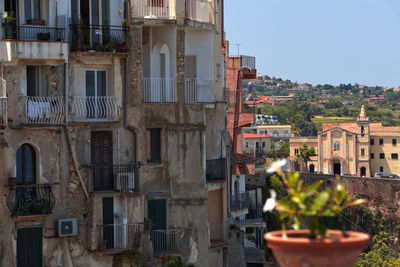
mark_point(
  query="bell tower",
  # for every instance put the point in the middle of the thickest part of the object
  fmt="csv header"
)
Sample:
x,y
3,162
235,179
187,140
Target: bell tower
x,y
362,154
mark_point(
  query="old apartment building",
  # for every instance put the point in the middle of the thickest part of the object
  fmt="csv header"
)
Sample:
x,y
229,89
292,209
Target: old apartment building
x,y
360,149
113,131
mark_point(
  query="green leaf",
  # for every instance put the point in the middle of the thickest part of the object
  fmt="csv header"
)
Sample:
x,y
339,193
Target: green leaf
x,y
323,230
320,200
313,188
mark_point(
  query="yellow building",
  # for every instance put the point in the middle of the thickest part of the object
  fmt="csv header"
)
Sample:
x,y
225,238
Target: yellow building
x,y
359,149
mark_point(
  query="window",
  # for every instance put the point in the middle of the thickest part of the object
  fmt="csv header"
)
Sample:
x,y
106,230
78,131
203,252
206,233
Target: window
x,y
263,144
35,81
381,141
362,130
296,151
395,156
32,10
381,155
247,144
155,145
394,142
26,165
362,152
336,147
381,169
372,142
96,87
257,145
372,155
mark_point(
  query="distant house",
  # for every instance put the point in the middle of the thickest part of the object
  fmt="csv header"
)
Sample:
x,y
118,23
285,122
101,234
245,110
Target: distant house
x,y
375,100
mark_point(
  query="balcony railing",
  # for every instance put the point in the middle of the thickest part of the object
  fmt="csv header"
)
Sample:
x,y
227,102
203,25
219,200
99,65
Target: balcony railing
x,y
44,110
200,10
248,62
218,231
159,90
254,213
153,9
121,178
120,236
95,108
198,90
101,38
167,240
3,112
30,200
239,201
34,33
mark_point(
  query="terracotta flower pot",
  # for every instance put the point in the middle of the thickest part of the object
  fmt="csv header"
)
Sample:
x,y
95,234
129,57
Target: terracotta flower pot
x,y
299,250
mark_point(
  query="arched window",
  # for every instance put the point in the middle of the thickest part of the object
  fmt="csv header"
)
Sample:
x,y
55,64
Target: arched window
x,y
363,171
312,168
362,130
26,165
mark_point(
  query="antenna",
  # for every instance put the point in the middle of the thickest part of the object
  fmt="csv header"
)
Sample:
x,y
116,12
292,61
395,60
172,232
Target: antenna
x,y
238,47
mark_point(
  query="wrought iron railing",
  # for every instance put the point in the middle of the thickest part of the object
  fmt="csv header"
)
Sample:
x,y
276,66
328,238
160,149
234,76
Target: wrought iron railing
x,y
200,10
29,200
96,108
34,33
239,201
44,110
167,240
254,213
159,90
3,112
218,231
198,90
122,178
153,9
102,38
120,236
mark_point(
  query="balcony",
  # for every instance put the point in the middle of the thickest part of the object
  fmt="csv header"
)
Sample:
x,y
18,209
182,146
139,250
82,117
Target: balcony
x,y
41,110
120,236
153,9
200,10
95,108
246,64
35,42
30,200
99,38
254,213
239,201
159,90
167,240
199,90
3,112
119,178
218,233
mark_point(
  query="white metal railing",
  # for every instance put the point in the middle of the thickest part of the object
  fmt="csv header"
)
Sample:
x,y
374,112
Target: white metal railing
x,y
199,90
3,112
159,90
167,240
200,10
153,9
44,110
95,108
249,62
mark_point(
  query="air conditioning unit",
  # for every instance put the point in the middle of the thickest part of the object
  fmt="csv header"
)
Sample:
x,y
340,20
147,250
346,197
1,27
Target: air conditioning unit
x,y
125,181
67,227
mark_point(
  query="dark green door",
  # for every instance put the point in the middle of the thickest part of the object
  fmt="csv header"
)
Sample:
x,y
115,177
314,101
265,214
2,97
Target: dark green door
x,y
29,247
108,222
157,213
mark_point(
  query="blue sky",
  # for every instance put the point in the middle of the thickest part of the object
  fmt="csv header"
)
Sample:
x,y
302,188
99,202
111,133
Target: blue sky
x,y
319,41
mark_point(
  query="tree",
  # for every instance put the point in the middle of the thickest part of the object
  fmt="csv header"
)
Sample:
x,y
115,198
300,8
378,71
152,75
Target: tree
x,y
305,154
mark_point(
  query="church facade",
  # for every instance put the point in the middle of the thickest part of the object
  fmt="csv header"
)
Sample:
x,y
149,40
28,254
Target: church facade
x,y
357,149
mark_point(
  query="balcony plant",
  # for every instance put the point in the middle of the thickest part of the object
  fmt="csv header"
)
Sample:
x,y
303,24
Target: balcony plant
x,y
10,26
317,246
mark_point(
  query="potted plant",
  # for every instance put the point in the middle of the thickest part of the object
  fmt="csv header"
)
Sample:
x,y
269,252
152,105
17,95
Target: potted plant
x,y
10,26
316,246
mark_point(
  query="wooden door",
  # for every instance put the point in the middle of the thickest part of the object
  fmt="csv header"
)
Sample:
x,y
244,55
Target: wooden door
x,y
102,161
29,247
